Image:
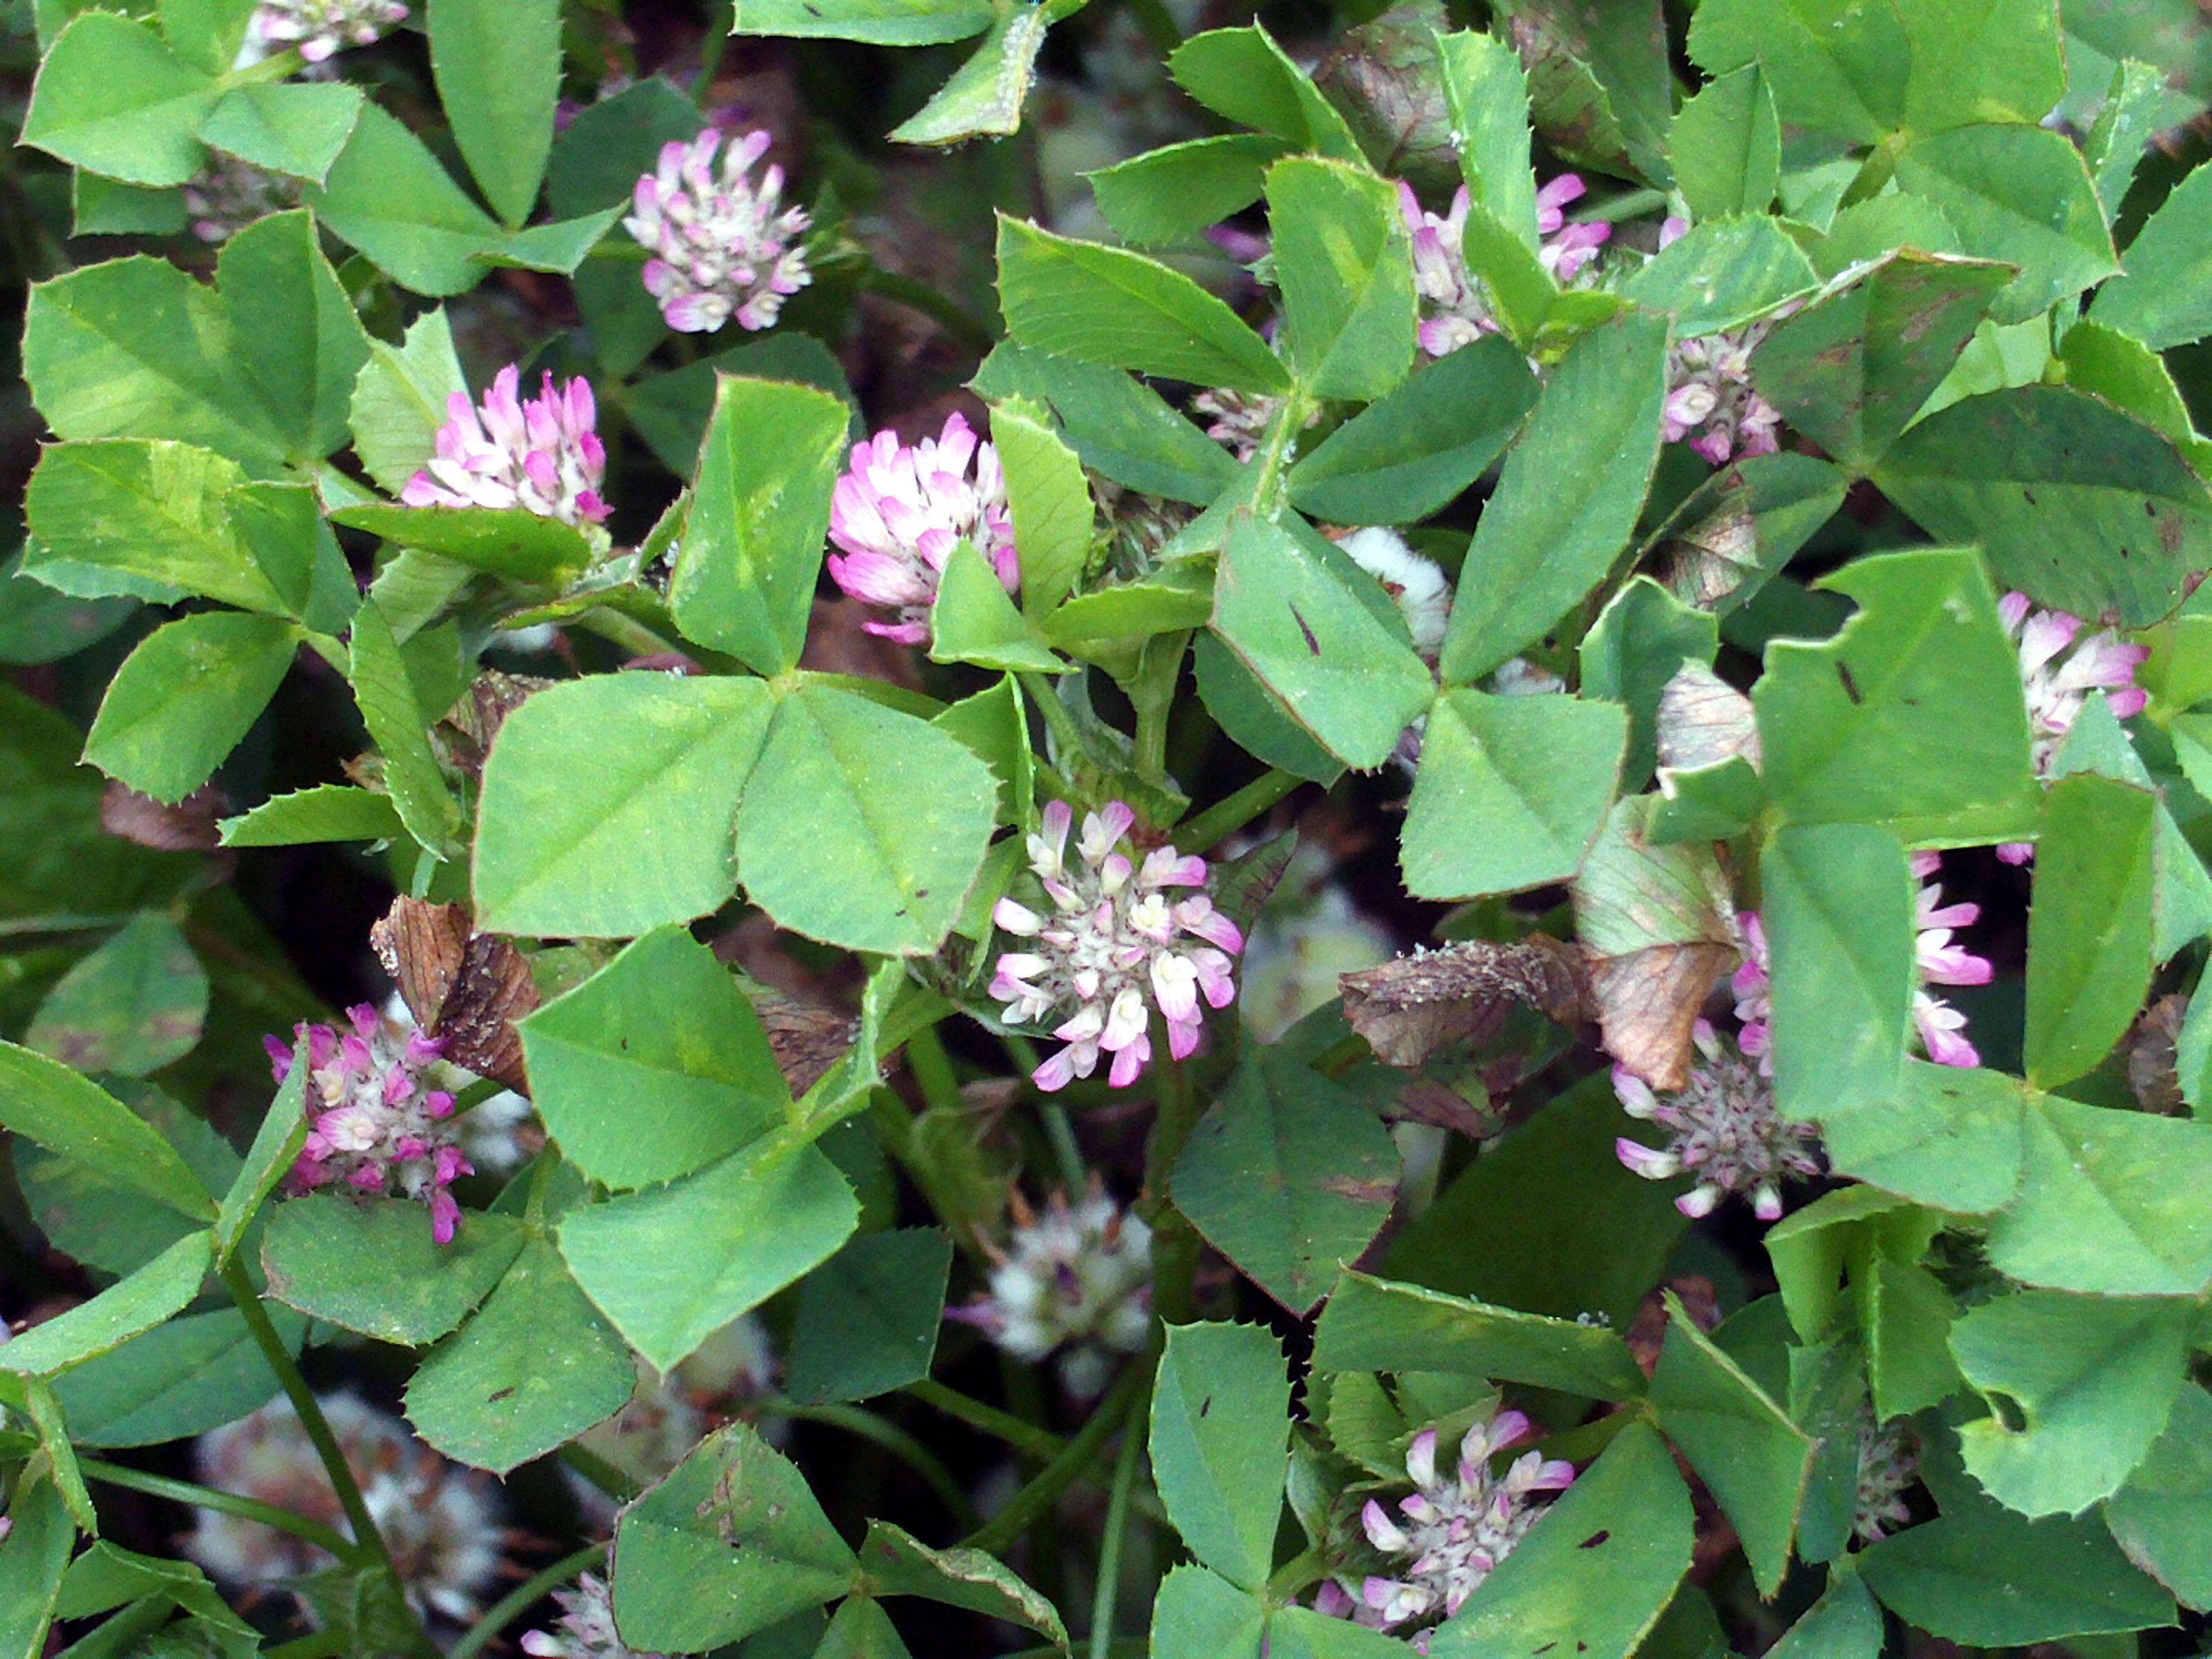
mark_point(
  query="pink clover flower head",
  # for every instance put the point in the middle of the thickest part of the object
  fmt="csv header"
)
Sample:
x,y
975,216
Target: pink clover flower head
x,y
2058,670
1723,1130
541,454
373,1123
1711,400
1454,1528
1942,1027
1455,310
1754,990
1240,420
901,509
318,27
721,245
1076,1279
586,1628
1114,946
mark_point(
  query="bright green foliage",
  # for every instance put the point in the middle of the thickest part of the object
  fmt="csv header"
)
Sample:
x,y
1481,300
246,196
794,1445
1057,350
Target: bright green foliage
x,y
499,72
1347,276
2089,943
334,1258
1217,1444
1378,1324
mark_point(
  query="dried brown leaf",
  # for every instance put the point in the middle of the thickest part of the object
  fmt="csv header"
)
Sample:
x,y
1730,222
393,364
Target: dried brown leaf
x,y
806,1038
2153,1064
1703,720
471,724
1409,1009
466,988
189,826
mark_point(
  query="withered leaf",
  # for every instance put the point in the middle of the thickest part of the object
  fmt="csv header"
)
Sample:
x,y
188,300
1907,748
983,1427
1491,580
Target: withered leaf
x,y
1657,927
1703,721
466,988
1409,1009
1705,561
189,826
2154,1072
806,1038
471,724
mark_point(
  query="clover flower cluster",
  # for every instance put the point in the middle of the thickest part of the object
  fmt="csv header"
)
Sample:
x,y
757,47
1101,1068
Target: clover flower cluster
x,y
722,245
1936,961
1115,947
1240,420
1417,586
1456,1529
2058,670
586,1628
229,194
901,509
1709,393
542,453
1078,1278
319,27
1724,1131
1887,1471
372,1122
441,1522
1455,311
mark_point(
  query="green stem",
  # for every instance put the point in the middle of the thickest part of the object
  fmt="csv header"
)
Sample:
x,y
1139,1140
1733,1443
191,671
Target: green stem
x,y
1277,451
1124,1400
1209,829
882,1432
955,318
1061,1134
513,1605
631,635
277,66
209,1497
932,1070
1110,1548
1061,724
1003,1425
722,18
601,1473
368,1542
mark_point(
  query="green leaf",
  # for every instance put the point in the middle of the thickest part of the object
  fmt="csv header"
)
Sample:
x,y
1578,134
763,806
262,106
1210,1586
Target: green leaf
x,y
984,97
535,1368
1254,718
387,196
1511,792
186,696
1120,426
673,1265
2162,1517
290,128
671,411
498,65
1950,1137
2161,300
502,541
93,1214
1486,95
298,340
2089,929
44,1101
1345,263
1623,46
396,723
1242,75
1171,194
179,1380
972,619
886,22
1289,1176
1752,1457
2124,371
1637,644
1596,1570
2083,508
400,400
1911,716
373,1267
1726,146
102,207
731,1543
596,157
328,811
138,1303
753,545
1304,619
868,1317
862,826
1836,68
1107,306
112,98
1411,452
1539,548
654,1066
1721,274
894,1563
1220,1441
2020,194
133,1005
2090,1381
33,1558
1981,60
1852,371
861,1629
639,836
162,511
2106,1206
277,1143
1374,1324
1049,501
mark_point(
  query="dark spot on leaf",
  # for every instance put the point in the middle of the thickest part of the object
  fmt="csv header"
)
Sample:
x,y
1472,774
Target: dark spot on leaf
x,y
1546,1648
1850,685
622,1042
2029,495
1360,1192
2169,532
1206,1404
921,892
1312,644
1595,1539
497,1393
2150,509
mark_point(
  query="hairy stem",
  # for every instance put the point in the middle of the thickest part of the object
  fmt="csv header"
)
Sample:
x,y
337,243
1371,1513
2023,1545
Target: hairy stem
x,y
1205,830
601,1473
1057,720
226,1503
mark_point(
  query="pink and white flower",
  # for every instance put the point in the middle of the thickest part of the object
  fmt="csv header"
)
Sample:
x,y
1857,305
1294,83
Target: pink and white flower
x,y
373,1124
722,245
1725,1132
1078,1279
542,453
318,27
901,509
1709,393
1115,947
1455,1528
2058,670
1455,311
586,1628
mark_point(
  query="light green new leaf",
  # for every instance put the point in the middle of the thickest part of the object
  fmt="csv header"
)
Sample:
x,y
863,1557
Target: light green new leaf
x,y
884,22
1487,94
374,1268
498,66
1049,502
1345,263
753,545
388,195
1835,66
1981,60
1220,1442
156,1292
186,698
1175,193
1377,1324
112,98
1538,547
639,836
973,620
504,541
2163,1516
132,1006
2089,1380
1726,146
654,1066
2164,299
33,1558
1721,274
293,128
396,723
1511,793
1108,306
328,811
44,1101
1242,75
2089,929
984,99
